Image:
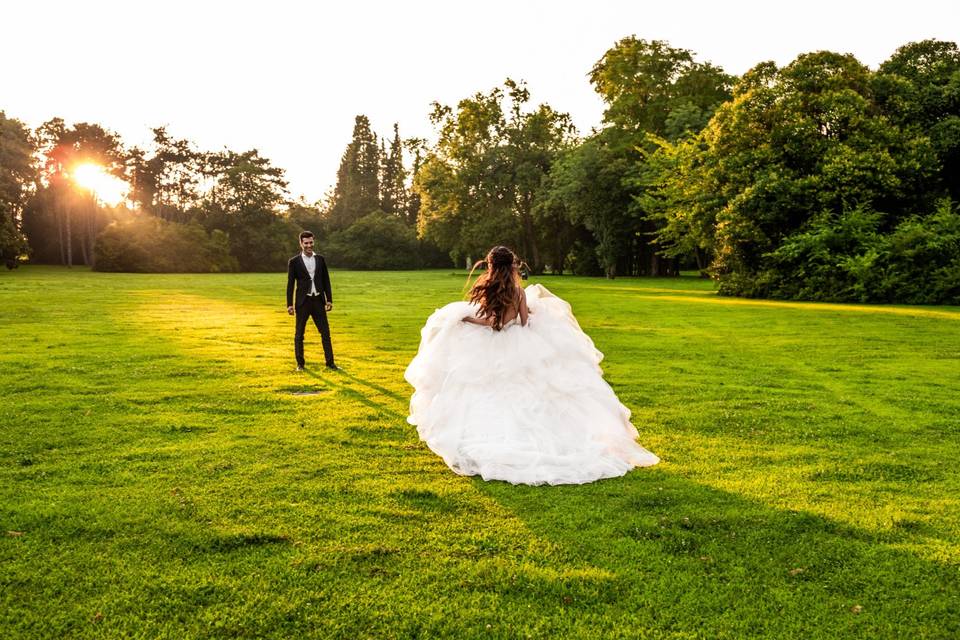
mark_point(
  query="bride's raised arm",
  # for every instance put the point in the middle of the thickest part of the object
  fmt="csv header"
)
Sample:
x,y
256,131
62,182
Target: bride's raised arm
x,y
523,310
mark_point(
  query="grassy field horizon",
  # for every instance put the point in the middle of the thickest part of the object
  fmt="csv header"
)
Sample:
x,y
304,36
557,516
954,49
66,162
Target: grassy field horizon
x,y
166,472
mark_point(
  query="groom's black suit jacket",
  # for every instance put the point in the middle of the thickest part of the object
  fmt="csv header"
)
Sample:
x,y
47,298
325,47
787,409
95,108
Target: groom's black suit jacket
x,y
297,273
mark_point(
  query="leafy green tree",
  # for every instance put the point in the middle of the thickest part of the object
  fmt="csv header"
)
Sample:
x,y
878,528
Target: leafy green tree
x,y
464,205
919,89
248,185
381,170
534,141
678,195
169,183
805,187
921,261
825,149
305,216
585,186
17,177
654,92
478,185
245,201
376,241
651,87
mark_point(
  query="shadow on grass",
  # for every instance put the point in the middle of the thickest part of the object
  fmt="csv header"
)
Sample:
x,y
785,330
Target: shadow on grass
x,y
329,379
379,389
236,346
698,560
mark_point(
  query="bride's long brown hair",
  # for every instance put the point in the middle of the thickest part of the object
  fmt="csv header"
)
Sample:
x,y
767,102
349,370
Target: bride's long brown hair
x,y
496,289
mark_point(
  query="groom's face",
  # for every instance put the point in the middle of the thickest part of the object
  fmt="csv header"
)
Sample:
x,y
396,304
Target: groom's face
x,y
307,245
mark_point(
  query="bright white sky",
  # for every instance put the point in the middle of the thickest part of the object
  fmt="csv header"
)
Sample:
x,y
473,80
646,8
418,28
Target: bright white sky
x,y
288,77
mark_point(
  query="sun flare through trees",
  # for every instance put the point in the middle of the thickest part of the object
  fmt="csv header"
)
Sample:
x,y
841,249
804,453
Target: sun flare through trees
x,y
107,188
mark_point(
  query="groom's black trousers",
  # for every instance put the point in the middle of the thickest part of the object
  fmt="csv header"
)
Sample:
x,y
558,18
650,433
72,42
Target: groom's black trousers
x,y
312,307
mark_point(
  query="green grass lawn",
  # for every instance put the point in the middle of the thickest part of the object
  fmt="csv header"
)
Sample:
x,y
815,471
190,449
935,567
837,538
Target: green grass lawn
x,y
160,476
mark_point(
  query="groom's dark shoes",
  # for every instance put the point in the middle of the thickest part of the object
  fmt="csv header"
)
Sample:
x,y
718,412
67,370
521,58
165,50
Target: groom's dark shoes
x,y
329,365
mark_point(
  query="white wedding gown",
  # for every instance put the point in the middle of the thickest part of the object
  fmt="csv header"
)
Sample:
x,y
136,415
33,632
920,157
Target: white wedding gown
x,y
527,405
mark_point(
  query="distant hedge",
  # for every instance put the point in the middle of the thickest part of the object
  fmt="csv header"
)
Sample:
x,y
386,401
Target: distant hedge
x,y
151,245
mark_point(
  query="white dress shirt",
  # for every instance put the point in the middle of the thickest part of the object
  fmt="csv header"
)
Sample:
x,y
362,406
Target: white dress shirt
x,y
311,263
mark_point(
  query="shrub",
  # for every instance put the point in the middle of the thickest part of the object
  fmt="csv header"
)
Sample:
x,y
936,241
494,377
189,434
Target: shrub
x,y
849,258
146,244
375,241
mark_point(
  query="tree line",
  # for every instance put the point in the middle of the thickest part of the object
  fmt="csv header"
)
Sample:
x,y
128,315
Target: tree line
x,y
822,179
187,210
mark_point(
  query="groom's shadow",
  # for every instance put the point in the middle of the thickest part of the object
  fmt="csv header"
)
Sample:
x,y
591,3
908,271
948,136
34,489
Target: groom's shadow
x,y
332,380
375,387
705,561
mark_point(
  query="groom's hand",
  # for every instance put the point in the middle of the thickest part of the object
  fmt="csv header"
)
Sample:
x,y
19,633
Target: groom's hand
x,y
290,309
328,306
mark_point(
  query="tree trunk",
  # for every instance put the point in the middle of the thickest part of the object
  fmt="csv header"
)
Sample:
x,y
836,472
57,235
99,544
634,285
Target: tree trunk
x,y
558,262
69,236
531,237
559,254
660,266
83,246
701,262
611,271
93,234
83,233
58,214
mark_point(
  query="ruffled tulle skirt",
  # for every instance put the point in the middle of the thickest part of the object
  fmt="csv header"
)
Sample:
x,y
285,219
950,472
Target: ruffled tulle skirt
x,y
527,405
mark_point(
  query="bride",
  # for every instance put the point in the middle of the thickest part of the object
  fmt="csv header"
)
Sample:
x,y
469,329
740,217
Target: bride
x,y
507,386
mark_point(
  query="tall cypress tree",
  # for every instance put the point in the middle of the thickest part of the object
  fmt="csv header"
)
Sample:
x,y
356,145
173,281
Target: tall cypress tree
x,y
385,201
412,210
358,183
392,186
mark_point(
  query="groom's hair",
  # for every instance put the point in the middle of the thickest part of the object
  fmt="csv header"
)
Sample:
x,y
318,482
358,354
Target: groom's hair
x,y
306,234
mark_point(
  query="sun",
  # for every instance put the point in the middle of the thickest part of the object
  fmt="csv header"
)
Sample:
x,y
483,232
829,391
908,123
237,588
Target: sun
x,y
107,188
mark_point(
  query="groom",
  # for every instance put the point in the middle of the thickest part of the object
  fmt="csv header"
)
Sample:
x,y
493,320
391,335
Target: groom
x,y
313,298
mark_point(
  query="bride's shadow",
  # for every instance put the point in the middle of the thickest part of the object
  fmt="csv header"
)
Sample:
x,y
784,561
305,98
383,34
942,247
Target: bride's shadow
x,y
700,560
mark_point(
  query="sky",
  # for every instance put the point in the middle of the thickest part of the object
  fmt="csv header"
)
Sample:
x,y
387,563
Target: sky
x,y
288,77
